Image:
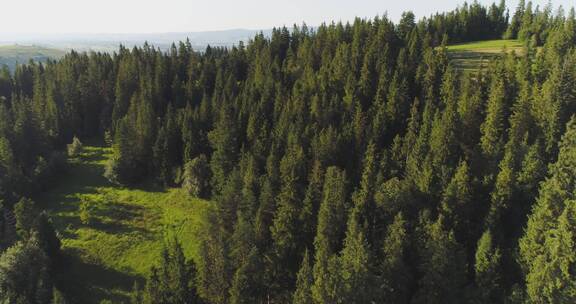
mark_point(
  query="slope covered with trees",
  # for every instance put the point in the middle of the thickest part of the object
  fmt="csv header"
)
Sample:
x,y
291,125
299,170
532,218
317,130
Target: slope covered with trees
x,y
346,164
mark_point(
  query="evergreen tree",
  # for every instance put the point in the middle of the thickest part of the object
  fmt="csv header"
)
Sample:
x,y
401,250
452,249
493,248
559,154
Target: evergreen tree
x,y
395,273
327,286
356,266
286,227
547,243
224,141
25,214
304,281
487,270
197,177
174,280
246,284
443,266
24,274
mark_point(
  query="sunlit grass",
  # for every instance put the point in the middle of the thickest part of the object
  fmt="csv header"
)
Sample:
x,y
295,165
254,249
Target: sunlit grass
x,y
470,57
127,227
487,45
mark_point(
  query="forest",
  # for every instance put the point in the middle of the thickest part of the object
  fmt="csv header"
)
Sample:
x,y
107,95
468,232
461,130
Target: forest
x,y
345,163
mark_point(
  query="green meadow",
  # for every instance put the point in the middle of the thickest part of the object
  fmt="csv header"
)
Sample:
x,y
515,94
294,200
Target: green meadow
x,y
469,57
114,239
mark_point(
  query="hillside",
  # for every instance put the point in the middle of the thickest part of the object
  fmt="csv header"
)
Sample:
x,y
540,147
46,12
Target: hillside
x,y
346,164
126,229
12,55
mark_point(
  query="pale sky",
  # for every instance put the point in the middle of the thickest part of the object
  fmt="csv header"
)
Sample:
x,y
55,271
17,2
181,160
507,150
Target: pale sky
x,y
156,16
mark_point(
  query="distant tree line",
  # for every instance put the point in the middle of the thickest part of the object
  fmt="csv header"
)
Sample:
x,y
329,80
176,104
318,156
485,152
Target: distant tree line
x,y
347,164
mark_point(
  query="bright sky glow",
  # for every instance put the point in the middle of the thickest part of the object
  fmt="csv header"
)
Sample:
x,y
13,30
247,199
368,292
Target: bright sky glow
x,y
156,16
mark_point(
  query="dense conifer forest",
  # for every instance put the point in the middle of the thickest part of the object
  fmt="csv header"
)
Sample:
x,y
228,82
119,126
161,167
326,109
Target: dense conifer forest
x,y
346,163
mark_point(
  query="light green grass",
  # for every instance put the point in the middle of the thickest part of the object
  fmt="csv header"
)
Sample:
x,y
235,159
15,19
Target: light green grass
x,y
487,45
126,232
13,55
472,56
29,51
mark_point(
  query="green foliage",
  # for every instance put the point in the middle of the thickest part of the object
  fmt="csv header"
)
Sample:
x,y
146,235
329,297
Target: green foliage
x,y
197,177
24,274
362,143
443,265
356,267
304,281
25,214
246,284
395,273
547,248
85,210
487,267
331,222
174,280
75,148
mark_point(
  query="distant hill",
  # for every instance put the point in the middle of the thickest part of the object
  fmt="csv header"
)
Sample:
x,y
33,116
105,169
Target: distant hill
x,y
110,42
21,48
11,55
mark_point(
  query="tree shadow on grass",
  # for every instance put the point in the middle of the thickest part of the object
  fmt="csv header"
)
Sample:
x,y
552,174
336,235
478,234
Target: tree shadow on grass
x,y
472,60
86,282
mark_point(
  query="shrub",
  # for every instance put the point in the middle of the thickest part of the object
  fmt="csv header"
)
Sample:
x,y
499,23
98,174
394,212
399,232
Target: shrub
x,y
197,177
75,148
85,210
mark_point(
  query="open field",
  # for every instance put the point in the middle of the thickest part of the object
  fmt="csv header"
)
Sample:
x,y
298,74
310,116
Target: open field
x,y
126,228
11,55
472,56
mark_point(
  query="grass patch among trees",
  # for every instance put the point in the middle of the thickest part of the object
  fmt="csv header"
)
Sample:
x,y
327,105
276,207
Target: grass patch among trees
x,y
469,57
113,235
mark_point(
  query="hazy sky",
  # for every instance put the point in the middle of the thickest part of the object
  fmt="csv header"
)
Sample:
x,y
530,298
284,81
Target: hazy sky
x,y
144,16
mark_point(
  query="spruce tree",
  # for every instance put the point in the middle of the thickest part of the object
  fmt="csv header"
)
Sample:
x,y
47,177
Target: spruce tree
x,y
304,281
487,270
547,240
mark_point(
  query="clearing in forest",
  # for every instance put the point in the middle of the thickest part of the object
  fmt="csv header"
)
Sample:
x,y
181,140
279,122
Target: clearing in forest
x,y
111,235
469,57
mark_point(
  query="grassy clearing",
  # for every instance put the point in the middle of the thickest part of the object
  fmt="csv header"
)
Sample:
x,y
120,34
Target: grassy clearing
x,y
126,227
469,57
487,46
30,51
12,55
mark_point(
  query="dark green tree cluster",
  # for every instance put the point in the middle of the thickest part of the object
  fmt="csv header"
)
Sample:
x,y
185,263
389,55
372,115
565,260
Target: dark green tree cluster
x,y
535,25
469,22
30,257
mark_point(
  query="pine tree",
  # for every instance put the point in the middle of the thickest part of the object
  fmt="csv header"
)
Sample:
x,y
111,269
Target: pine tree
x,y
311,204
47,238
167,149
286,227
174,280
214,273
492,140
25,214
246,284
197,177
457,204
548,241
487,270
395,273
443,266
356,266
224,142
24,274
329,236
304,281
